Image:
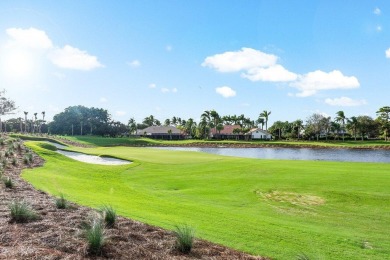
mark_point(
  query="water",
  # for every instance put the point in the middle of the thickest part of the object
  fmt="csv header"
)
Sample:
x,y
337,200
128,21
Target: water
x,y
342,155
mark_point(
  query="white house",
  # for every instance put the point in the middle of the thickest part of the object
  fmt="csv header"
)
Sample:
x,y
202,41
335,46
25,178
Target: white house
x,y
258,133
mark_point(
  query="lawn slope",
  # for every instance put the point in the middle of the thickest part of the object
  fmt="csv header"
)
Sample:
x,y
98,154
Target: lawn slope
x,y
329,210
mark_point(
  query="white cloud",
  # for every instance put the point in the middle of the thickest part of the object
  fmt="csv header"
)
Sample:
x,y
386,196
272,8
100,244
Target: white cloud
x,y
377,11
379,28
275,73
72,58
103,100
225,91
388,53
174,90
152,85
310,83
36,43
134,63
31,38
120,113
345,102
244,59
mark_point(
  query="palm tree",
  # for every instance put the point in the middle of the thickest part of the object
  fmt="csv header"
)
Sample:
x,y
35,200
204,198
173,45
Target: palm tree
x,y
43,121
261,122
265,114
341,119
25,121
35,122
353,125
167,122
215,117
298,124
206,120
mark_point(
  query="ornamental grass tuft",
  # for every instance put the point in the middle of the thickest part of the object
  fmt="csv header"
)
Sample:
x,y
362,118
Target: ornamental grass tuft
x,y
109,215
184,238
95,235
22,212
61,202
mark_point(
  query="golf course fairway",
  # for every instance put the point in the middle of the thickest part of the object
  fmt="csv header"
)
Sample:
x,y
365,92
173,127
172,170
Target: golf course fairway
x,y
275,208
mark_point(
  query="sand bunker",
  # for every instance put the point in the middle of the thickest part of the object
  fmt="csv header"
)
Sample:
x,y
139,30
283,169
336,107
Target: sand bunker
x,y
93,158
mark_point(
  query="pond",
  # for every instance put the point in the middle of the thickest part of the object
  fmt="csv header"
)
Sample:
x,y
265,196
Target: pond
x,y
342,155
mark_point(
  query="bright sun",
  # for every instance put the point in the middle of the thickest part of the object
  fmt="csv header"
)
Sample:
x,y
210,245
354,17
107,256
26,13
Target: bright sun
x,y
17,63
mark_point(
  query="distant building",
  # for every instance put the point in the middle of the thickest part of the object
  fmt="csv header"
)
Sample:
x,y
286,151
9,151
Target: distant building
x,y
259,134
228,132
162,132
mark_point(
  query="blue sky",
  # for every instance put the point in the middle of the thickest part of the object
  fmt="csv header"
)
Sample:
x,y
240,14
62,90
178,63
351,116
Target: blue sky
x,y
179,58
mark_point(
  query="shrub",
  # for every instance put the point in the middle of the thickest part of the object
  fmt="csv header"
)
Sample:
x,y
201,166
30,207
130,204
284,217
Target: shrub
x,y
8,182
95,236
61,202
184,238
22,212
109,215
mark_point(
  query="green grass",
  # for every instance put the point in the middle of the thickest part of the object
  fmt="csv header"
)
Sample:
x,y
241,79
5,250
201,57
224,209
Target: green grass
x,y
271,208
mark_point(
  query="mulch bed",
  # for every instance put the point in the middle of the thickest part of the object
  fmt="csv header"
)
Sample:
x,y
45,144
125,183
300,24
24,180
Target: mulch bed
x,y
58,233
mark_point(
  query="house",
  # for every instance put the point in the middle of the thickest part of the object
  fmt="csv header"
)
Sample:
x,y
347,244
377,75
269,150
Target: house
x,y
257,133
161,132
228,132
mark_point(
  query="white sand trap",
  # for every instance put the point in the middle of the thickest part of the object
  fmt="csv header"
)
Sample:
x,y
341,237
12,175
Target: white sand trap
x,y
57,145
93,158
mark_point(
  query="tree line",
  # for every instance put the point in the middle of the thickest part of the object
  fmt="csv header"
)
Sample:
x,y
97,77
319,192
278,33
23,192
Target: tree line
x,y
81,120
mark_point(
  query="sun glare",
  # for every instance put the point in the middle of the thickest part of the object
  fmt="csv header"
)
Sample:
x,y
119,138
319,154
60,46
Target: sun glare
x,y
18,64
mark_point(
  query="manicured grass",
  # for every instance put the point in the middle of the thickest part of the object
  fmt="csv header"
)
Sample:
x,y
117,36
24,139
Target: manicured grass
x,y
103,141
281,209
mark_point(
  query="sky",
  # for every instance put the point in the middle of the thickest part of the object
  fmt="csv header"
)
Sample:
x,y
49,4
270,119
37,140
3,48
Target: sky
x,y
180,58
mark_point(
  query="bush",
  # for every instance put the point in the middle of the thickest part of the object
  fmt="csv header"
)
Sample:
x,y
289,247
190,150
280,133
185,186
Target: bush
x,y
184,238
22,212
109,215
61,202
95,236
8,182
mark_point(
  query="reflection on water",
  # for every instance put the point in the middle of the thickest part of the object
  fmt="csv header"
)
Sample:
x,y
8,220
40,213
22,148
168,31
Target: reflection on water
x,y
343,155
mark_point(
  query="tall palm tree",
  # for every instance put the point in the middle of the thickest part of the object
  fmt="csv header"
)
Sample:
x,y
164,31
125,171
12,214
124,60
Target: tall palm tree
x,y
352,123
341,118
43,120
298,124
265,114
261,122
25,121
206,120
35,122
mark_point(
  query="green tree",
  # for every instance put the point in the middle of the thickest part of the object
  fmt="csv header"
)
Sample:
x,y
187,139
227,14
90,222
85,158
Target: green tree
x,y
7,106
352,124
341,118
383,114
265,114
